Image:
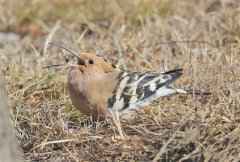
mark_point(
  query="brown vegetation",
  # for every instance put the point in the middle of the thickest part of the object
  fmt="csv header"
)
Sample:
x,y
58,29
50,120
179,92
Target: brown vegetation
x,y
200,36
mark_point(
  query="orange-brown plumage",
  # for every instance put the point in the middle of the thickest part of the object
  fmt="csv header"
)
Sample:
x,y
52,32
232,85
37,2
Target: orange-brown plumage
x,y
91,83
99,89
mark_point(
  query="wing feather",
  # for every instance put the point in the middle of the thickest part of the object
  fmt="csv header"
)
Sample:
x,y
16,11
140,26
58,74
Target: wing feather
x,y
137,89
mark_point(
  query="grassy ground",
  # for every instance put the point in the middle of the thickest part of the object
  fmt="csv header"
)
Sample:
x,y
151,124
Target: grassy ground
x,y
200,36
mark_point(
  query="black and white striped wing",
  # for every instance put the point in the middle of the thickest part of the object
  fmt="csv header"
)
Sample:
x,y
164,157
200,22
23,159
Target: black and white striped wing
x,y
136,89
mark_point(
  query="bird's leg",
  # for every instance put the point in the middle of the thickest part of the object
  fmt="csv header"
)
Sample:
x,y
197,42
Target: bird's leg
x,y
119,127
117,122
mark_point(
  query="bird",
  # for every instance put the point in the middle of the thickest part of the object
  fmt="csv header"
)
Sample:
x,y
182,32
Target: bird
x,y
101,90
97,86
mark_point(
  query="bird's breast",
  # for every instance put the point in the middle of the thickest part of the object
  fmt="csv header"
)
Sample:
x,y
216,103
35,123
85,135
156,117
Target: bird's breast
x,y
77,91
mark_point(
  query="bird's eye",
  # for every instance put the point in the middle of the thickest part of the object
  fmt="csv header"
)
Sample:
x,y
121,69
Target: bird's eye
x,y
114,66
90,61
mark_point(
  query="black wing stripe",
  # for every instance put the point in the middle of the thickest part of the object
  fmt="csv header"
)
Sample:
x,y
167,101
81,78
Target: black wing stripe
x,y
135,87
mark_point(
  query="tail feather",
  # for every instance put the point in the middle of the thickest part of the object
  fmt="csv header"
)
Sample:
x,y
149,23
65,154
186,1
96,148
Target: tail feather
x,y
175,74
179,71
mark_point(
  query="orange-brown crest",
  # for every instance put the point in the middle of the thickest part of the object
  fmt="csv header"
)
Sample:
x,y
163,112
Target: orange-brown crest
x,y
94,62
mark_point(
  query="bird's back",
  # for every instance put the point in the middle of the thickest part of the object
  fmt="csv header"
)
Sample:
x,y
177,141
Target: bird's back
x,y
136,89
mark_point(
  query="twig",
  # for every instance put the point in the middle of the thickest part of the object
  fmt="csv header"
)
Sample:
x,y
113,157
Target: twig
x,y
54,142
50,36
189,155
191,42
163,148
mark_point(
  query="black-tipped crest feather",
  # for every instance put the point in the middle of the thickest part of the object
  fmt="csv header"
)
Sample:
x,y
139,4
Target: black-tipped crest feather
x,y
65,48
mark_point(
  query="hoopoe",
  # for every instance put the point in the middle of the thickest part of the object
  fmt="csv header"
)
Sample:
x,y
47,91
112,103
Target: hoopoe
x,y
99,89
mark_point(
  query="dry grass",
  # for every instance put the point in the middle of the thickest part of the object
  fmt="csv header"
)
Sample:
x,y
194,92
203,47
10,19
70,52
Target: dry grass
x,y
203,38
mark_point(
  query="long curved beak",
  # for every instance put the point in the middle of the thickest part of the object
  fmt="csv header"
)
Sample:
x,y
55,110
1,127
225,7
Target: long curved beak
x,y
53,66
60,65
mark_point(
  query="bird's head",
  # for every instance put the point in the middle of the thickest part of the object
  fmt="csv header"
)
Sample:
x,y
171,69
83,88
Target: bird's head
x,y
92,62
87,62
